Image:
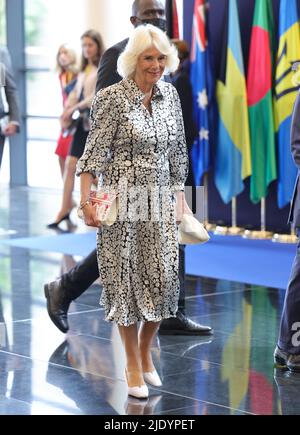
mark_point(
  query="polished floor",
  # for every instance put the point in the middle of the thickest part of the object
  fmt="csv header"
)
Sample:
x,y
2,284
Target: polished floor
x,y
43,371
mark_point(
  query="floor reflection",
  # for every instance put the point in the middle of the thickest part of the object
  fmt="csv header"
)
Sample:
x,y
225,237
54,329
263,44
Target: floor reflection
x,y
229,373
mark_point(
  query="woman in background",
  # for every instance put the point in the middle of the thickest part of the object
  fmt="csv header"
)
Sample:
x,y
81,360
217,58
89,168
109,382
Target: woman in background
x,y
66,66
79,102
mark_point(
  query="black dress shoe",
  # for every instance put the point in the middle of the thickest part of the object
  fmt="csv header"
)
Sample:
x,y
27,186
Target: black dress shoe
x,y
285,360
57,304
293,363
182,325
280,358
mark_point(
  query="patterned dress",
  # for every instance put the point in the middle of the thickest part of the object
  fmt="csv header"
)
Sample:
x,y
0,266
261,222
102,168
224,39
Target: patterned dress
x,y
144,157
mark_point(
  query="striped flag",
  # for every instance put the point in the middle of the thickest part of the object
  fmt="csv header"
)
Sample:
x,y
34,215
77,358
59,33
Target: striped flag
x,y
233,158
285,95
261,118
202,84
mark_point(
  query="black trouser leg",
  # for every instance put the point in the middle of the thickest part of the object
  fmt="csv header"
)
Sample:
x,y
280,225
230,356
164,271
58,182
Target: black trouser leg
x,y
82,276
181,302
290,320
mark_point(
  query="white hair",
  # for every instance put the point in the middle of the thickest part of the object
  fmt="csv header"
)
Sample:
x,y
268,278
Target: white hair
x,y
142,38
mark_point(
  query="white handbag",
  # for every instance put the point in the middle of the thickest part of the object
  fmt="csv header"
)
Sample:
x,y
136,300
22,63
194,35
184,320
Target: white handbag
x,y
191,231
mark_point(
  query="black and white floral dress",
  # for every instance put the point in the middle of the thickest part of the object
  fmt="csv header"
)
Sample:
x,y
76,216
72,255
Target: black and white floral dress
x,y
144,154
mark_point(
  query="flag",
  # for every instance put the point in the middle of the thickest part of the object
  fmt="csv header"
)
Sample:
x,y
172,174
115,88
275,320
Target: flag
x,y
175,21
202,84
285,95
172,19
233,157
259,85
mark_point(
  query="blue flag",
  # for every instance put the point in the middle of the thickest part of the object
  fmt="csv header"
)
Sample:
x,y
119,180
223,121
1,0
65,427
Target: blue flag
x,y
233,154
285,95
202,84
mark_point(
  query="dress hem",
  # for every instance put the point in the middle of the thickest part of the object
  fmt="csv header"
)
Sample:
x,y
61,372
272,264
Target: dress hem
x,y
140,319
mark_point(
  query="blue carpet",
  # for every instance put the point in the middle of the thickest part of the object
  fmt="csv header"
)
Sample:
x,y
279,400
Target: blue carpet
x,y
69,244
257,262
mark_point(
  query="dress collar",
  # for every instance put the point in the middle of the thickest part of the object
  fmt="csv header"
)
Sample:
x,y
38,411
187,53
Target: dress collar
x,y
135,94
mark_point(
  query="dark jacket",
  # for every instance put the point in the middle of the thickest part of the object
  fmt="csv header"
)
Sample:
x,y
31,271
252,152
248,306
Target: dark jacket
x,y
107,71
295,149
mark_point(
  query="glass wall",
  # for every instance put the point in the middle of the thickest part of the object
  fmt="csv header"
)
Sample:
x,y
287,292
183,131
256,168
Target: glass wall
x,y
44,32
2,23
48,24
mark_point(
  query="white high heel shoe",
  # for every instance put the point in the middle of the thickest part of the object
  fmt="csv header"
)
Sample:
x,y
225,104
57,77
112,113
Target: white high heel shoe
x,y
152,378
140,392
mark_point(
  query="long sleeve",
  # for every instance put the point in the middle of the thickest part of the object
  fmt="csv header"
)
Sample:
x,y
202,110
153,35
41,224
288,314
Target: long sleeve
x,y
295,132
179,161
184,89
12,98
103,130
107,71
86,84
10,88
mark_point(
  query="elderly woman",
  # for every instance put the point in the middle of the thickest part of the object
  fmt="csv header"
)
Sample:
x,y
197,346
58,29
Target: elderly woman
x,y
137,135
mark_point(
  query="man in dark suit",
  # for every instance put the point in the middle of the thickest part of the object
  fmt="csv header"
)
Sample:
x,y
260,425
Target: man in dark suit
x,y
287,351
60,293
10,91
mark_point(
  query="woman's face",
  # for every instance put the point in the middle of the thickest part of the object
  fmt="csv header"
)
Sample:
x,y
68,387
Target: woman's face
x,y
150,66
89,48
64,58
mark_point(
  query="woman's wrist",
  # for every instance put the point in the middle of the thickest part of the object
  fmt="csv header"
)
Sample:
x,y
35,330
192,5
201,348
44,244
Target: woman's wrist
x,y
83,204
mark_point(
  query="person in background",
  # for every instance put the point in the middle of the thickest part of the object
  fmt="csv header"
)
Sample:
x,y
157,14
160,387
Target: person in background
x,y
66,66
8,92
79,103
287,351
181,80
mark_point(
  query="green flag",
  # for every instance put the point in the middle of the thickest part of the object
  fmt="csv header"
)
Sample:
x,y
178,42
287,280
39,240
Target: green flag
x,y
259,87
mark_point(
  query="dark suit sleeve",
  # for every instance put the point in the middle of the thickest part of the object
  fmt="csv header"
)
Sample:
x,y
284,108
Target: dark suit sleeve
x,y
107,71
295,132
184,89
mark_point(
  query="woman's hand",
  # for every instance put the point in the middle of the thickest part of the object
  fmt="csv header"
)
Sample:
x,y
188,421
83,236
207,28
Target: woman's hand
x,y
179,206
186,209
66,117
90,217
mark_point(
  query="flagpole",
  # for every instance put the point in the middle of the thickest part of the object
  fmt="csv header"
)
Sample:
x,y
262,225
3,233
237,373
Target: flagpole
x,y
286,238
234,230
263,233
208,226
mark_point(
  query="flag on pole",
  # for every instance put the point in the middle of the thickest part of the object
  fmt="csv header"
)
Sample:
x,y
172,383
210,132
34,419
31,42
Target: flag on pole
x,y
285,95
233,157
202,84
173,19
259,84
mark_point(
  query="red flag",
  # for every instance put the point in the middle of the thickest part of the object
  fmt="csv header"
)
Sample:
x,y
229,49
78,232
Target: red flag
x,y
175,21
